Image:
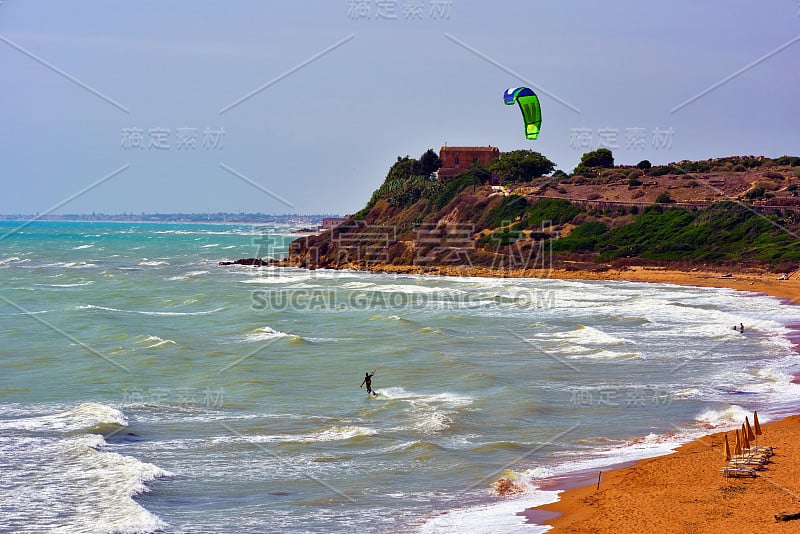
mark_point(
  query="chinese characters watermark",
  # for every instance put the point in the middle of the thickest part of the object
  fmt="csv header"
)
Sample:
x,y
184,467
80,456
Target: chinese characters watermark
x,y
396,10
621,397
160,139
631,138
182,397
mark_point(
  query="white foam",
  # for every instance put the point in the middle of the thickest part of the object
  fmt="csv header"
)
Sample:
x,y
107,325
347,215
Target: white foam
x,y
431,413
266,333
154,342
155,313
82,247
338,433
153,263
85,416
491,518
72,485
729,417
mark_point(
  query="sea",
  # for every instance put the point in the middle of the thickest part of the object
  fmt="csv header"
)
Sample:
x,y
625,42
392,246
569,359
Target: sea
x,y
146,388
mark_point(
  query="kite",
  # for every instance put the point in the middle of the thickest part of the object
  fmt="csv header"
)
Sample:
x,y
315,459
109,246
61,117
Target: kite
x,y
529,104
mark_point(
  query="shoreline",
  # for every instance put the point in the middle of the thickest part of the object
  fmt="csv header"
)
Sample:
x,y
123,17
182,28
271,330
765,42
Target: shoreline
x,y
752,281
685,491
682,491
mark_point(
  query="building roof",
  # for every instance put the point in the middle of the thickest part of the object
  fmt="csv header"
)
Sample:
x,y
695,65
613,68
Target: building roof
x,y
471,148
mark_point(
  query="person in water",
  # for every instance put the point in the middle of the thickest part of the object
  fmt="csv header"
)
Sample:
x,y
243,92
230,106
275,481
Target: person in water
x,y
368,381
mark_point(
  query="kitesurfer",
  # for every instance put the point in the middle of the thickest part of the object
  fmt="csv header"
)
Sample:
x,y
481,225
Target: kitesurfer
x,y
368,381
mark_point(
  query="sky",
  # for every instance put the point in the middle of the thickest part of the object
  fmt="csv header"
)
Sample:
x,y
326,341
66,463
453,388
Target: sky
x,y
302,106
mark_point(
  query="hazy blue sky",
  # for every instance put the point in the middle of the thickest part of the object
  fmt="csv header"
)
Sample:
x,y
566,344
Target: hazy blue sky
x,y
302,106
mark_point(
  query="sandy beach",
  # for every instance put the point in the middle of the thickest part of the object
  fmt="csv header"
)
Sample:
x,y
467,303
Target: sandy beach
x,y
685,492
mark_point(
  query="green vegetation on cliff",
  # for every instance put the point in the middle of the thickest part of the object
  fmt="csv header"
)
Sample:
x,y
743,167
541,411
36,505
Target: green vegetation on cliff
x,y
712,211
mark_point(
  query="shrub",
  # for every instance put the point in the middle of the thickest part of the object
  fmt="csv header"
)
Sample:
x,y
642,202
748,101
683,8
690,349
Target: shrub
x,y
739,168
644,165
634,182
507,211
755,193
773,175
556,210
664,198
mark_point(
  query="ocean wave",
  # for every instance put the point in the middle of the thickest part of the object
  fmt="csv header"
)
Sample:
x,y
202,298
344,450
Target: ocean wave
x,y
154,342
266,333
190,274
75,284
70,265
88,416
429,413
728,417
590,335
338,433
73,485
155,313
82,247
153,263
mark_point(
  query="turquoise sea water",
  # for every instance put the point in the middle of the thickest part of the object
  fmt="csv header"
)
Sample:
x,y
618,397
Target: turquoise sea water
x,y
145,388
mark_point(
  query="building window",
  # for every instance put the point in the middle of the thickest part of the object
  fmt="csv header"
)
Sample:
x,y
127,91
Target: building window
x,y
455,160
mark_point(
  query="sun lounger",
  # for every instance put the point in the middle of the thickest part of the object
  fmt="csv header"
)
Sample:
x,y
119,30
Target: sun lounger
x,y
769,451
738,472
749,460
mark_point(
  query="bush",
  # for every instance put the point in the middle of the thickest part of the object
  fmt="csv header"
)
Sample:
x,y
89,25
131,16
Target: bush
x,y
634,182
644,165
556,210
664,198
773,175
739,168
755,193
507,211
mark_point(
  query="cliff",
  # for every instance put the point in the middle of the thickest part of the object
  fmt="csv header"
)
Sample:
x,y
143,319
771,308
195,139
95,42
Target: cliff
x,y
738,211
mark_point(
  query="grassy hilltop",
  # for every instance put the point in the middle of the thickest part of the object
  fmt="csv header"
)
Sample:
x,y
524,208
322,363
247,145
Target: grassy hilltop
x,y
740,211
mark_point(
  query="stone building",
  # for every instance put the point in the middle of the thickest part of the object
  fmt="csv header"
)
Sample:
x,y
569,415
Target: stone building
x,y
458,159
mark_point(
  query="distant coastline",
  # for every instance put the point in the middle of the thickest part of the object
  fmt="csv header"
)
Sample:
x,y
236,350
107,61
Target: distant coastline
x,y
219,217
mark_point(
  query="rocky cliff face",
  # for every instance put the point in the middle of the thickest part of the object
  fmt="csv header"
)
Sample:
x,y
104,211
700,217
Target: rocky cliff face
x,y
726,212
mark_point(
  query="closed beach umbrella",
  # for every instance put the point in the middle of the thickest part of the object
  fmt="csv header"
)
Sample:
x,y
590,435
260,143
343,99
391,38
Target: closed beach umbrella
x,y
727,449
755,424
745,441
750,435
737,450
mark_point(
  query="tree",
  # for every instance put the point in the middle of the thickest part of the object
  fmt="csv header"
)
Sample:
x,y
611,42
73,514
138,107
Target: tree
x,y
403,169
602,157
644,165
480,174
521,165
429,162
